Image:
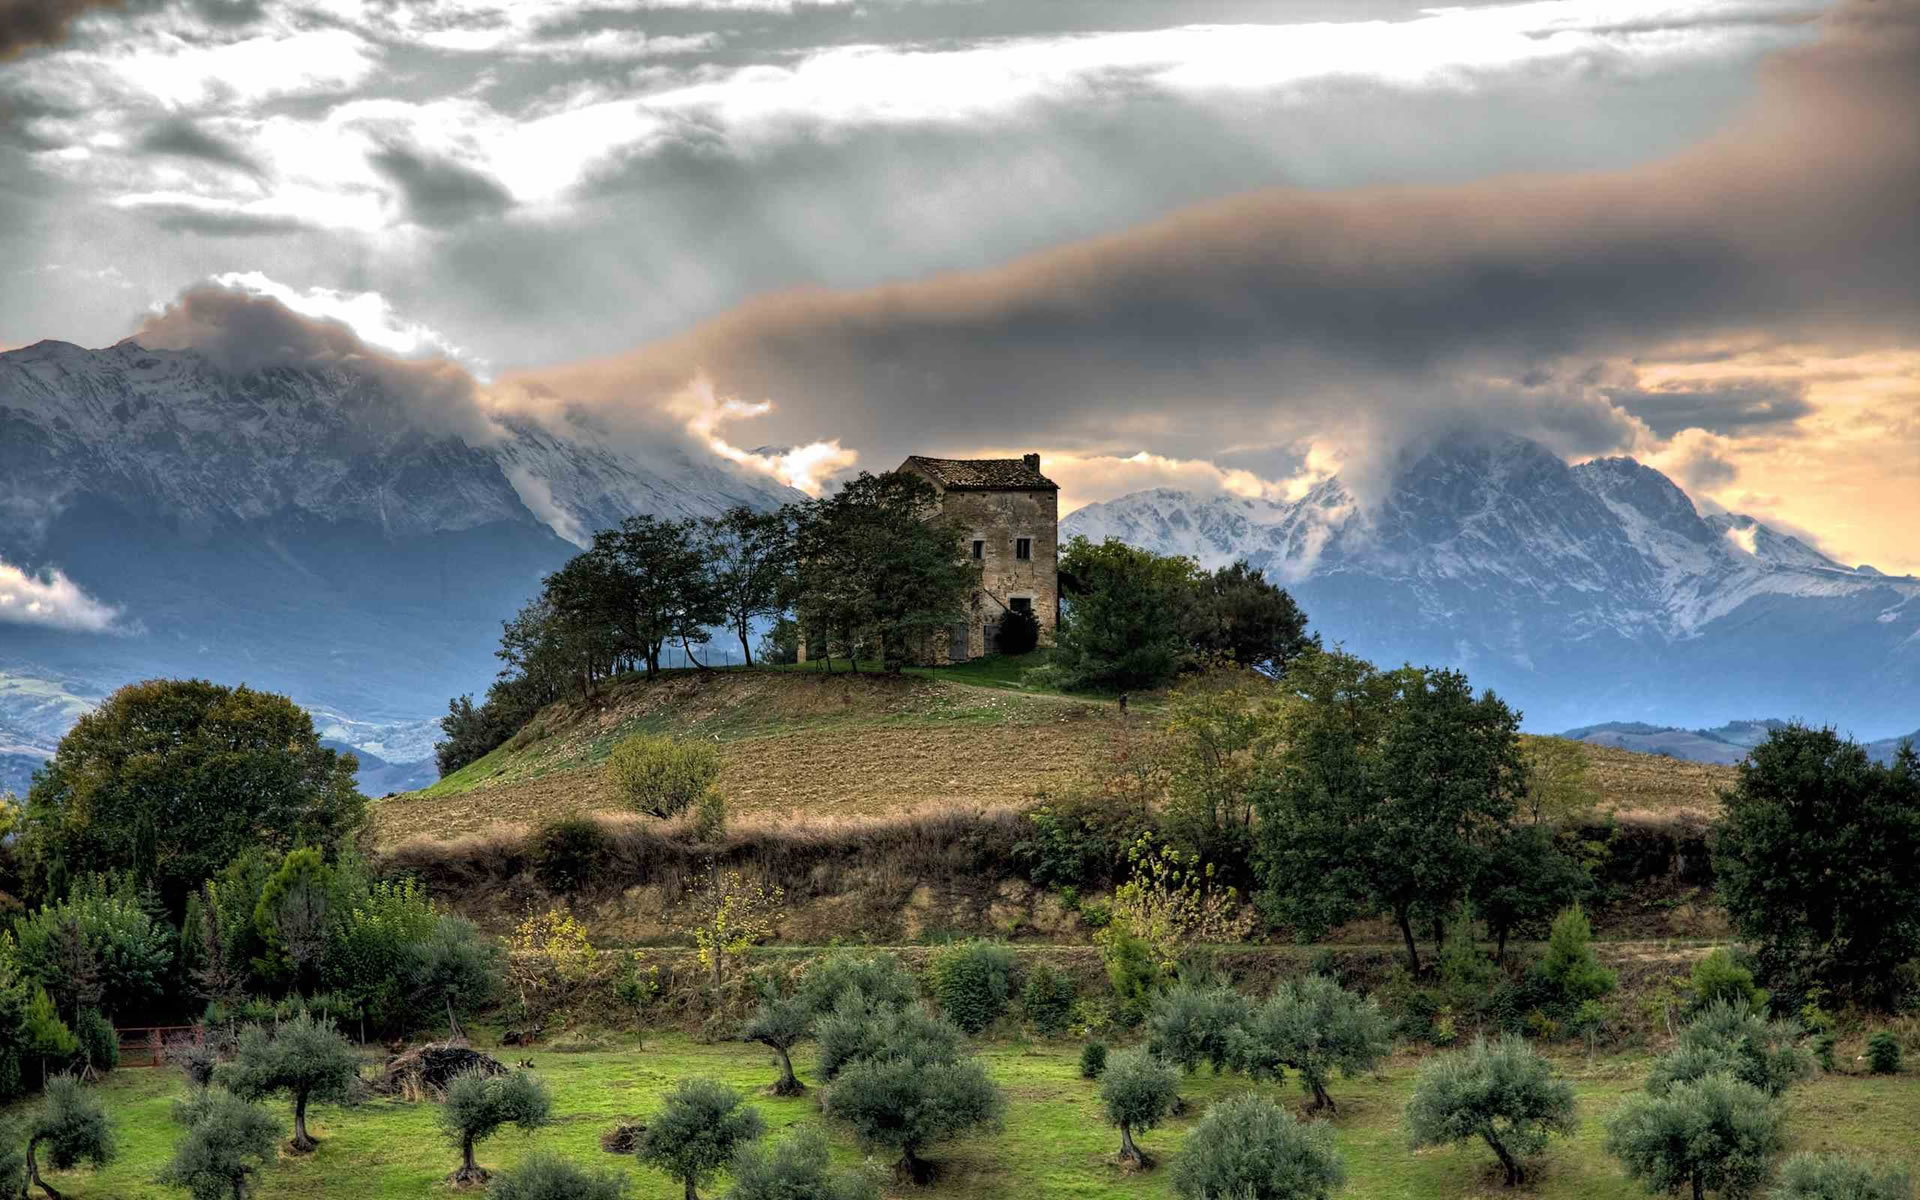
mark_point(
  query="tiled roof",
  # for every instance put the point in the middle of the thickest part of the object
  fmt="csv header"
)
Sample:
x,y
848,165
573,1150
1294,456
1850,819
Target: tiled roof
x,y
984,474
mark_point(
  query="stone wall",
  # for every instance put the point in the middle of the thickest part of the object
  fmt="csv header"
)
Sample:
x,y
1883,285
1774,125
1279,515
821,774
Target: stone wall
x,y
998,519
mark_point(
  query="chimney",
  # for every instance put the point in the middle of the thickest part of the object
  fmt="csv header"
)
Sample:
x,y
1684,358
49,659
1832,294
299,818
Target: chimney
x,y
1033,462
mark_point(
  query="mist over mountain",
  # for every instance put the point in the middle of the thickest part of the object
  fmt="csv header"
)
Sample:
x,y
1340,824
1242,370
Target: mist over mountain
x,y
1583,594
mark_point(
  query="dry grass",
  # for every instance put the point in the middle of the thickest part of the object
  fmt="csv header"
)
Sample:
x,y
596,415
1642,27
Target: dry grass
x,y
1636,786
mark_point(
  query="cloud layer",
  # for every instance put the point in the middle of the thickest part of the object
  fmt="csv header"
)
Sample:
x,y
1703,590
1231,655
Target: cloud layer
x,y
50,599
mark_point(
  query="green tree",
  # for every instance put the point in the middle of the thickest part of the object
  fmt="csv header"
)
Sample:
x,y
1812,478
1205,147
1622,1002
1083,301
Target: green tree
x,y
44,1037
972,980
1525,878
1841,1177
878,980
699,1130
1250,1148
1047,1000
479,1104
292,916
1190,1024
781,1023
226,1143
750,557
71,1127
1814,859
97,948
170,779
1317,1027
1239,617
1731,1039
1569,971
1719,979
1503,1093
662,776
1138,1091
1714,1134
1219,729
304,1059
550,1177
1127,616
857,1031
797,1167
896,1104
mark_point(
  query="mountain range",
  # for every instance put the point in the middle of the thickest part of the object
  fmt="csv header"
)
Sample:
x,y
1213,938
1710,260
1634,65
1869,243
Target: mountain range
x,y
1582,593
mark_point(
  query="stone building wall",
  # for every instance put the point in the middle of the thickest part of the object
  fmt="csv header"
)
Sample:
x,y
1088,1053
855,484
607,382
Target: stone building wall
x,y
997,519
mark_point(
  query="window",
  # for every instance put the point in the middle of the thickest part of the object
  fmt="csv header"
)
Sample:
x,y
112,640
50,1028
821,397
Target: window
x,y
1020,604
1023,548
979,550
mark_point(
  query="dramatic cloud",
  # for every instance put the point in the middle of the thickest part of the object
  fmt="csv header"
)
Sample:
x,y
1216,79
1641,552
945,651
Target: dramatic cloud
x,y
28,23
183,138
440,192
50,599
1717,407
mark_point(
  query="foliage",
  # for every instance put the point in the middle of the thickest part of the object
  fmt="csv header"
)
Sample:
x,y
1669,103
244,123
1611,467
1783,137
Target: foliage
x,y
1239,617
856,1031
1019,631
1560,783
1138,1091
662,776
728,915
747,557
797,1167
878,980
1813,860
1188,1025
1569,972
97,948
699,1129
710,817
1840,1177
1718,979
1883,1053
228,1140
1503,1093
1250,1148
1713,1134
1729,1039
548,956
1047,1000
1126,616
1093,1059
43,1035
1131,969
71,1126
1317,1027
1073,843
303,1058
98,1044
1171,901
898,1104
781,1023
170,779
569,854
972,980
1217,735
398,960
479,1104
292,915
550,1177
456,970
1525,878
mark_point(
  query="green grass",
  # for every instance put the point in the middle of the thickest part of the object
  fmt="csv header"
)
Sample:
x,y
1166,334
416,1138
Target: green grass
x,y
1055,1142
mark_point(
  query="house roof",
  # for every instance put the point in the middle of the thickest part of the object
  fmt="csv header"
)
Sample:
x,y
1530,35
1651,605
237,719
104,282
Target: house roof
x,y
983,474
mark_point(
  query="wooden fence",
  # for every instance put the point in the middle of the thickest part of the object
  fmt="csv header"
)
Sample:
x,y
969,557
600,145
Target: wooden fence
x,y
146,1045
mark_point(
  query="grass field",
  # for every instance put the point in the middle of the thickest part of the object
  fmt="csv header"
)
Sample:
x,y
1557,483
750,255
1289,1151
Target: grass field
x,y
1054,1142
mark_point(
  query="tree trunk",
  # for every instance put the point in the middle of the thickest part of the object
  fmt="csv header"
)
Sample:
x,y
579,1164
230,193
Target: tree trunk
x,y
1500,947
910,1168
1320,1098
1506,1160
1130,1153
470,1171
688,651
789,1084
1406,932
746,652
691,1194
301,1142
1699,1189
33,1173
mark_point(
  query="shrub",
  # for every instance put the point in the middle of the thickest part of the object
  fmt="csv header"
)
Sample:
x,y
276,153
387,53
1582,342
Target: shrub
x,y
550,956
372,944
710,817
478,1104
1503,1092
99,1044
1714,1134
1047,1000
898,1105
1883,1053
1250,1148
1093,1060
304,1058
856,1032
1190,1025
972,980
1317,1027
1131,969
727,915
569,854
1718,979
227,1141
98,948
1138,1091
878,980
71,1125
550,1177
1570,972
1730,1040
1840,1177
662,776
699,1129
798,1167
44,1035
1019,631
780,1024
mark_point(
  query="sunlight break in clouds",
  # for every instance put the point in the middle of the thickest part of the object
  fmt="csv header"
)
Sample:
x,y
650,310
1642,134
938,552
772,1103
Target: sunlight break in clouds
x,y
806,467
368,314
52,600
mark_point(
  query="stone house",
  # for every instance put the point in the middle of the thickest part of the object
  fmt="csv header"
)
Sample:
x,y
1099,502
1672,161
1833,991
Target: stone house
x,y
1009,514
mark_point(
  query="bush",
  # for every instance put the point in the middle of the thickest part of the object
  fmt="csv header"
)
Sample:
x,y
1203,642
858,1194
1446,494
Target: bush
x,y
699,1129
228,1141
1730,1040
972,981
1135,977
98,948
1839,1177
1503,1092
1317,1027
1883,1053
479,1103
856,1032
1718,979
569,854
898,1105
304,1058
1714,1134
710,817
99,1044
662,776
878,980
1189,1025
550,1177
1047,1000
1093,1060
1019,632
797,1168
1250,1148
1570,973
1138,1091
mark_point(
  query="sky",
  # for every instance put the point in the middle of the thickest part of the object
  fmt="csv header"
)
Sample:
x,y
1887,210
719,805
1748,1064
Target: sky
x,y
1214,244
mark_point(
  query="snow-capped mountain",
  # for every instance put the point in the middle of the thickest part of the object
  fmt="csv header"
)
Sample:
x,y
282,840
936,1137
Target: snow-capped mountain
x,y
1583,593
297,528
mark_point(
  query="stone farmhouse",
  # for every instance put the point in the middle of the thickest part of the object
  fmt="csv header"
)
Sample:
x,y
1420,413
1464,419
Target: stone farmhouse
x,y
1009,513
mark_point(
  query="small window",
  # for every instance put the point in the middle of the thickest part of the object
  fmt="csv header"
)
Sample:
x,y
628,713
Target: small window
x,y
979,550
1020,604
1023,548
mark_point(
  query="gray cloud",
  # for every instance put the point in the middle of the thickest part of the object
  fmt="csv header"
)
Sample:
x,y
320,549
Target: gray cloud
x,y
1722,406
440,192
25,24
182,138
186,218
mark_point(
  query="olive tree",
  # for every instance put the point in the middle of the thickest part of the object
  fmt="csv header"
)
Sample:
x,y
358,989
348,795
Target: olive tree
x,y
479,1104
703,1124
854,1032
71,1126
306,1059
1189,1025
1713,1134
227,1141
780,1024
1841,1177
1728,1038
1317,1027
1503,1093
897,1104
550,1177
1249,1148
1138,1091
798,1167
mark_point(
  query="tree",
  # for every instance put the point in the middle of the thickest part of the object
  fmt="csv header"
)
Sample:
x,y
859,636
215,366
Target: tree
x,y
1127,616
71,1126
856,1031
1250,1148
1218,733
1138,1091
1813,860
662,776
303,1058
1172,900
550,1177
798,1167
972,981
227,1141
700,1128
1570,972
1241,618
1525,878
728,915
43,1035
96,948
1503,1093
1317,1027
780,1024
479,1104
896,1104
878,980
1188,1025
171,779
292,915
1713,1134
1730,1039
750,558
1840,1177
1559,781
